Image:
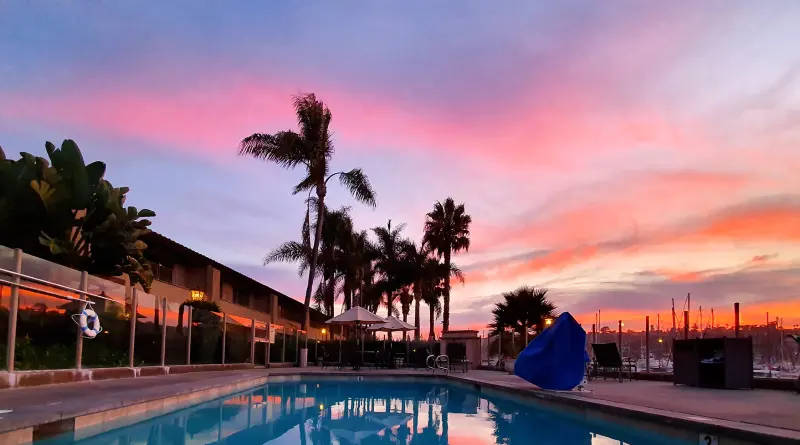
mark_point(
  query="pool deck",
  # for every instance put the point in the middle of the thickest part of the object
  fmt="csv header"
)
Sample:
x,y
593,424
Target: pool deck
x,y
753,412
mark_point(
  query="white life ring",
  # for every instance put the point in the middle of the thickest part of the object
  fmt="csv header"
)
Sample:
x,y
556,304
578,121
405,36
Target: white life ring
x,y
86,317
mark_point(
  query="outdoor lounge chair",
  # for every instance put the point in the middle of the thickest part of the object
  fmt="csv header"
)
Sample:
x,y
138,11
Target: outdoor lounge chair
x,y
607,358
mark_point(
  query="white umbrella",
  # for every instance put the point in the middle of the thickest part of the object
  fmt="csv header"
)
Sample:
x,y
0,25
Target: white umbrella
x,y
393,324
356,315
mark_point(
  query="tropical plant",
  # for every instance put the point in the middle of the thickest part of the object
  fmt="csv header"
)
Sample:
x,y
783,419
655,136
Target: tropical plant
x,y
447,232
389,265
522,310
64,211
310,147
414,261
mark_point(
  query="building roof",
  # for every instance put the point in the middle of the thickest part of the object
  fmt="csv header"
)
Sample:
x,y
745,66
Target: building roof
x,y
285,301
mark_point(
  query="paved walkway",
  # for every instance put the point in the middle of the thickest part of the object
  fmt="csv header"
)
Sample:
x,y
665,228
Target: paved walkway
x,y
778,409
32,406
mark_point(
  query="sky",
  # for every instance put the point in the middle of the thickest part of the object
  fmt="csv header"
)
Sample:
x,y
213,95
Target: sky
x,y
620,154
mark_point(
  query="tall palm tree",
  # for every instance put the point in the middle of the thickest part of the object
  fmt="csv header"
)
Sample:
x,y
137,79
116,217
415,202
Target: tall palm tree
x,y
312,148
414,260
337,227
389,245
447,232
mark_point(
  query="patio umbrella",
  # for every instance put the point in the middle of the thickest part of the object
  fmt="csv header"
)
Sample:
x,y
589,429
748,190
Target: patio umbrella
x,y
355,316
392,324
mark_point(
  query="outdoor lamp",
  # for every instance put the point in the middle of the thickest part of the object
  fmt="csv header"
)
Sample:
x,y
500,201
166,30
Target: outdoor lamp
x,y
661,340
324,331
548,321
198,295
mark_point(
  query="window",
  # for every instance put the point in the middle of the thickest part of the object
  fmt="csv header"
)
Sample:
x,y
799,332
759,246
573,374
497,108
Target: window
x,y
241,298
162,273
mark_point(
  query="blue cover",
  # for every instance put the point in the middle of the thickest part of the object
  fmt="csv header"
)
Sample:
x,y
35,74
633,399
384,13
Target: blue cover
x,y
556,358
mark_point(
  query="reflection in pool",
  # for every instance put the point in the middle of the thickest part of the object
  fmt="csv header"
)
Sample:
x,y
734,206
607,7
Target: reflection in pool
x,y
348,412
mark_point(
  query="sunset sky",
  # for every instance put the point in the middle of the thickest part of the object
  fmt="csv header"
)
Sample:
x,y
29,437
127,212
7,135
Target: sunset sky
x,y
619,153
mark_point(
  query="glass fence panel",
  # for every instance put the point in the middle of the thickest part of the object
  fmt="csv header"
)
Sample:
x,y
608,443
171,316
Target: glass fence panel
x,y
261,341
206,337
291,346
109,348
276,350
237,340
46,333
6,263
6,258
147,344
177,331
52,272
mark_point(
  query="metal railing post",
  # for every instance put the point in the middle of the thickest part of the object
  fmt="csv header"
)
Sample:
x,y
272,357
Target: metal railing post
x,y
619,334
647,344
252,341
283,348
13,310
189,323
163,304
267,347
297,346
131,342
224,334
79,344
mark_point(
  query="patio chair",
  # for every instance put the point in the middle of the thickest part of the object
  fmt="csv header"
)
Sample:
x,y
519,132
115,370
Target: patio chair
x,y
607,359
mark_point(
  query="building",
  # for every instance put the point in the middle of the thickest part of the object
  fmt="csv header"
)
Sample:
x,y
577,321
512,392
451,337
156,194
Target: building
x,y
181,273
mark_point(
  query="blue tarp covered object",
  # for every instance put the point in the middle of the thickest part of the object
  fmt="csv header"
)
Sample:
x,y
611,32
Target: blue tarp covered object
x,y
556,358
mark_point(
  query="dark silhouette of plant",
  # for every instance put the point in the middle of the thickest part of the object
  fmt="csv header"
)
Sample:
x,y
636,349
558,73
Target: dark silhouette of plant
x,y
522,310
447,232
65,212
312,148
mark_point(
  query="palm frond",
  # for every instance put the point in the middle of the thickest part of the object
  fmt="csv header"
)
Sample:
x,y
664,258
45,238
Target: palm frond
x,y
308,183
284,148
357,183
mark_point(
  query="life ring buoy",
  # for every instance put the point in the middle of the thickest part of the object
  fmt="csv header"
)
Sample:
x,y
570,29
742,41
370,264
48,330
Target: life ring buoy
x,y
86,317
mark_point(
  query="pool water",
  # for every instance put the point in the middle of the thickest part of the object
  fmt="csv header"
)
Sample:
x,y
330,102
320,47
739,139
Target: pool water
x,y
364,412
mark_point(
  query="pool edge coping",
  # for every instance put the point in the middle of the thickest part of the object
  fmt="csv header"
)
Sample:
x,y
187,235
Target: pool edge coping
x,y
21,432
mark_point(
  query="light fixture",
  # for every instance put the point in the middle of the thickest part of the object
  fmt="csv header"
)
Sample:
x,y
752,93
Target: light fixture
x,y
198,295
661,340
321,407
548,321
324,331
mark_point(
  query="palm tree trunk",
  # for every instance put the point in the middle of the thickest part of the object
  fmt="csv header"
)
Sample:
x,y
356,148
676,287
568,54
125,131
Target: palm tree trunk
x,y
446,317
416,312
314,255
388,305
430,334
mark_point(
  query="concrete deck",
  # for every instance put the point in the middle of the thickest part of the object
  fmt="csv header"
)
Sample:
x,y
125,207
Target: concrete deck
x,y
765,412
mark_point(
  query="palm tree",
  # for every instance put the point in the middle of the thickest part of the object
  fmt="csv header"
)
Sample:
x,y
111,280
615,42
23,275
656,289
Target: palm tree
x,y
312,148
414,260
447,232
522,310
389,246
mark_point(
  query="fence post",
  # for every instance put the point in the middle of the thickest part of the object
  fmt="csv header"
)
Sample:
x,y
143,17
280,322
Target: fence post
x,y
188,313
267,346
297,346
79,344
252,341
131,342
224,334
283,348
619,336
163,304
736,319
13,310
647,344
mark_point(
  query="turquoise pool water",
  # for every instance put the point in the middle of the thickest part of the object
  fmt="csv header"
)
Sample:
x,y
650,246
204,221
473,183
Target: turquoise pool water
x,y
364,412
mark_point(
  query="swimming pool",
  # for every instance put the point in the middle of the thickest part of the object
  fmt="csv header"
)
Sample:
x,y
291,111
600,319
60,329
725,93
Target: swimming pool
x,y
357,411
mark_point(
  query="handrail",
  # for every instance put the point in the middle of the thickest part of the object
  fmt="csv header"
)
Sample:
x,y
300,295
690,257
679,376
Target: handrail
x,y
49,283
50,293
